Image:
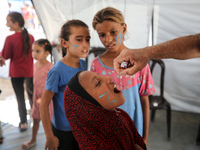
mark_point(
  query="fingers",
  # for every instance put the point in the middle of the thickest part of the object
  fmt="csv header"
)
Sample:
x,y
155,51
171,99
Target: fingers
x,y
138,59
2,61
130,71
117,67
52,144
118,60
47,148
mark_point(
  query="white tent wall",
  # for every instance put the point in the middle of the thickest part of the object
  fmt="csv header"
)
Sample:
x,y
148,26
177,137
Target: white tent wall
x,y
172,19
54,13
4,32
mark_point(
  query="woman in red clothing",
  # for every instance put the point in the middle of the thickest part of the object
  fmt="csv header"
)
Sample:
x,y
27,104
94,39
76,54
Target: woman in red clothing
x,y
90,103
17,48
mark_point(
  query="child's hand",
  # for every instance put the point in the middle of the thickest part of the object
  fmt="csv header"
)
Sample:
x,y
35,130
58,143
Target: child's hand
x,y
2,61
39,100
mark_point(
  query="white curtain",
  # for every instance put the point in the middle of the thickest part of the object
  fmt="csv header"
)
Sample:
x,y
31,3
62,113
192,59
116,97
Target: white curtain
x,y
172,19
53,13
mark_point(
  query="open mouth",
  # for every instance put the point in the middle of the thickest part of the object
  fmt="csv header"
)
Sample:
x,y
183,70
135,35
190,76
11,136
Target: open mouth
x,y
85,51
109,46
116,90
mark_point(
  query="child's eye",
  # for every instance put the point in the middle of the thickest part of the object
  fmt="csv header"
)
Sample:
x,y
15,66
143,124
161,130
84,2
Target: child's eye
x,y
101,35
79,40
88,40
38,52
113,32
98,84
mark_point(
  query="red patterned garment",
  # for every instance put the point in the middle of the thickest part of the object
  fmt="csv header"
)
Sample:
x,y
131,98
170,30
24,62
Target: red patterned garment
x,y
97,128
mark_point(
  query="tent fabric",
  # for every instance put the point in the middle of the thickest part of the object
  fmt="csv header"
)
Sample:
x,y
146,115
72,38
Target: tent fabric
x,y
54,13
173,19
169,19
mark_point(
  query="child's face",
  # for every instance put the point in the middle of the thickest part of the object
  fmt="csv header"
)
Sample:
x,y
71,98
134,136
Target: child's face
x,y
79,42
111,34
10,24
102,89
39,53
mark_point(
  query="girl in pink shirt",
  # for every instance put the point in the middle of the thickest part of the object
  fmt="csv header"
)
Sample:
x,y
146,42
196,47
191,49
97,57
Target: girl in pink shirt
x,y
111,28
40,50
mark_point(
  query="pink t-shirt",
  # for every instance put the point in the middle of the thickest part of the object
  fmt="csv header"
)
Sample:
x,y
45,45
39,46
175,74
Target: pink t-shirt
x,y
39,81
139,84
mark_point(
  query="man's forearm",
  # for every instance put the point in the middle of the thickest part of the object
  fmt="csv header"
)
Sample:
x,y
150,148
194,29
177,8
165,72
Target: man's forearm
x,y
180,48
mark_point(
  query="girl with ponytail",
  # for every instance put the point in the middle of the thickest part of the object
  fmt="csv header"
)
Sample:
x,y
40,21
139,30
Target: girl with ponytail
x,y
17,48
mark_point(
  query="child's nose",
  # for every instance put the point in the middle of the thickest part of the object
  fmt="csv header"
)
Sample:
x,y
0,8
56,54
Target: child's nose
x,y
108,79
85,44
108,38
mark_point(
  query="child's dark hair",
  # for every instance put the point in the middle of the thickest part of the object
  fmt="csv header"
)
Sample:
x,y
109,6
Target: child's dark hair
x,y
17,17
65,31
46,44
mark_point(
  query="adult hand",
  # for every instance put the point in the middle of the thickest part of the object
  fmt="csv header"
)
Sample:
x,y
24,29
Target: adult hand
x,y
2,61
137,147
138,58
52,143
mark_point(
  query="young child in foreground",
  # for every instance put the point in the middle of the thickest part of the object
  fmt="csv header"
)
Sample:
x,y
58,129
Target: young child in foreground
x,y
40,50
90,103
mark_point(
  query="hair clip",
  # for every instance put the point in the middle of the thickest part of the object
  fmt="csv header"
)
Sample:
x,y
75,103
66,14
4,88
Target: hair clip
x,y
45,43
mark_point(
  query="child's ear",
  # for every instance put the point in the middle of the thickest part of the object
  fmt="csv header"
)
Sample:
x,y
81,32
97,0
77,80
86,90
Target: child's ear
x,y
64,43
124,26
16,24
47,53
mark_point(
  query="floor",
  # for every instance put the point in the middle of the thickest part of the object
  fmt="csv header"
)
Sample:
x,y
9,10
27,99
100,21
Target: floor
x,y
183,131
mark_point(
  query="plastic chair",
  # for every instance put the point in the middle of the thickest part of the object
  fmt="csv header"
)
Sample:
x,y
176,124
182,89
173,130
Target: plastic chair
x,y
96,51
159,102
198,136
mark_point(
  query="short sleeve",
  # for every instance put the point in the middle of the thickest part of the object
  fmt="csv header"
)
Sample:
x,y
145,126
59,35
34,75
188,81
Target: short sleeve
x,y
7,49
93,65
52,82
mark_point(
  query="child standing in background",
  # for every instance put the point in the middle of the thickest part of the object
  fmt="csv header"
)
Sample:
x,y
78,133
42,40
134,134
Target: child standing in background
x,y
17,48
40,50
111,28
75,42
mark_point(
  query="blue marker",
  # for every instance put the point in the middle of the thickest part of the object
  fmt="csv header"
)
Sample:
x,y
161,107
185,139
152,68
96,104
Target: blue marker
x,y
75,47
107,97
118,38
